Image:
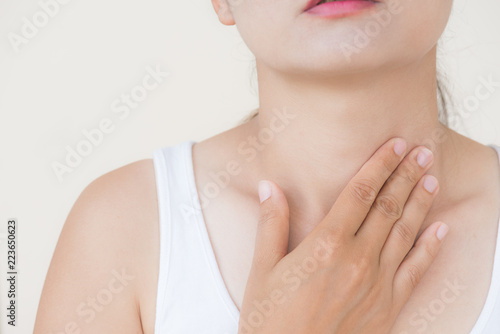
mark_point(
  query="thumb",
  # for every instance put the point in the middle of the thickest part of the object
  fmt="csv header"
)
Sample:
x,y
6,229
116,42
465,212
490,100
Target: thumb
x,y
271,243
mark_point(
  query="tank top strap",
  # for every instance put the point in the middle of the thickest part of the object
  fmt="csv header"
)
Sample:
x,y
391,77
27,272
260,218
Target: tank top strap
x,y
190,298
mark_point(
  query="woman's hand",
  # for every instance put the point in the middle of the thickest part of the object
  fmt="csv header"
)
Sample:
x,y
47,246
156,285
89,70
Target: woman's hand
x,y
355,271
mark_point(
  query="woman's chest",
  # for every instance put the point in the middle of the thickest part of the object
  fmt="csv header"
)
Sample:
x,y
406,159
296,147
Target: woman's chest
x,y
452,294
450,297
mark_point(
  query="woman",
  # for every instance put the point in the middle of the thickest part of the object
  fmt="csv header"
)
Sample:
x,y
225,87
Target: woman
x,y
340,83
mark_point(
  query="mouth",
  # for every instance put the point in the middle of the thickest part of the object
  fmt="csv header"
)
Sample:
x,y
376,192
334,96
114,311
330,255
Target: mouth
x,y
313,3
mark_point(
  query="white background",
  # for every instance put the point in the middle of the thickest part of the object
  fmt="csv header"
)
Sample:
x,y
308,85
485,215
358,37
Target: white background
x,y
66,77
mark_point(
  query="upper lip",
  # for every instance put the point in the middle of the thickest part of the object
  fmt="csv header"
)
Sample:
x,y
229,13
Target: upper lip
x,y
312,3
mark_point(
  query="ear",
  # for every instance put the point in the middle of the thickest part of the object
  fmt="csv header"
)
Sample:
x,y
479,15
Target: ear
x,y
223,12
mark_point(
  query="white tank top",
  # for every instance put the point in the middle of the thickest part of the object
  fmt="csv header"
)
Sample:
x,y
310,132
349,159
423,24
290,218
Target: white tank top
x,y
191,295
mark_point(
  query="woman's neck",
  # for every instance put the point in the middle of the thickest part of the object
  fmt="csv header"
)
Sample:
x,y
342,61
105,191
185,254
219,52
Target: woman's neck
x,y
323,132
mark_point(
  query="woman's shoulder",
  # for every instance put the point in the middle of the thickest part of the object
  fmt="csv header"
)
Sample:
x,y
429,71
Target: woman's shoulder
x,y
108,250
125,199
476,168
132,182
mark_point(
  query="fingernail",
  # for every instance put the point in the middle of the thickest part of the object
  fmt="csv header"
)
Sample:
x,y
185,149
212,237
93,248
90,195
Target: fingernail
x,y
424,157
430,183
264,190
442,231
400,147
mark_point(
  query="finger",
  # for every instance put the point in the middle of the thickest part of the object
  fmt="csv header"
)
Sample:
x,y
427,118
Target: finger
x,y
390,202
271,243
355,200
402,236
411,271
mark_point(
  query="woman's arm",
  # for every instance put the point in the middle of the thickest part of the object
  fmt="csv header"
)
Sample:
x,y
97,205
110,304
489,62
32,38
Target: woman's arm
x,y
103,273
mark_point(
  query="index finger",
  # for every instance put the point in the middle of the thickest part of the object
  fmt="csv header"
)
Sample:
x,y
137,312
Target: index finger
x,y
354,202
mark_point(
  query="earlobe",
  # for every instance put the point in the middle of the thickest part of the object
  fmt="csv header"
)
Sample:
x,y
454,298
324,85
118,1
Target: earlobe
x,y
223,12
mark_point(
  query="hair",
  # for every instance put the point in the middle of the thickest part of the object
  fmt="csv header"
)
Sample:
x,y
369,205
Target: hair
x,y
445,99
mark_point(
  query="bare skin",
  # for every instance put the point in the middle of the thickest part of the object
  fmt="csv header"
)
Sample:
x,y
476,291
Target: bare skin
x,y
117,225
471,208
112,228
346,112
345,106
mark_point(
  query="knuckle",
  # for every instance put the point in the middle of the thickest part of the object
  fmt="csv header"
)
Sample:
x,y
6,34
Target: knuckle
x,y
387,164
430,251
389,206
355,282
414,276
267,216
422,202
362,273
362,265
376,295
363,192
409,174
327,247
404,232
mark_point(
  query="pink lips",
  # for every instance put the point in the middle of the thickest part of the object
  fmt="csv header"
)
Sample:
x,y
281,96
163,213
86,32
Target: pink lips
x,y
338,8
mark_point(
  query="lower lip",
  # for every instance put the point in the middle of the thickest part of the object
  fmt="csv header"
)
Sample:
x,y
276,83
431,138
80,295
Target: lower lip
x,y
341,8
